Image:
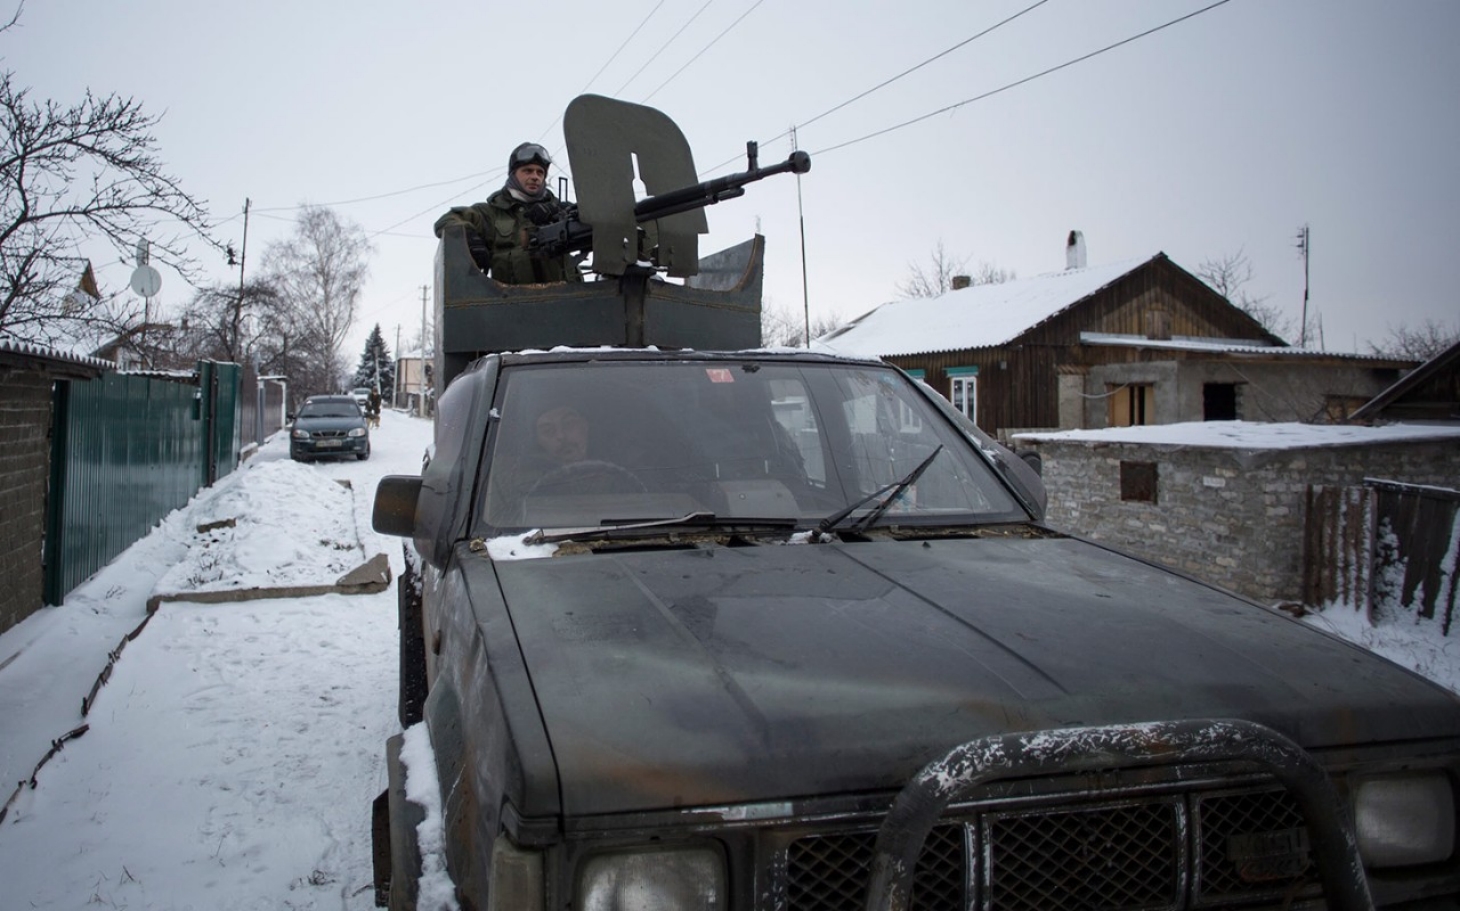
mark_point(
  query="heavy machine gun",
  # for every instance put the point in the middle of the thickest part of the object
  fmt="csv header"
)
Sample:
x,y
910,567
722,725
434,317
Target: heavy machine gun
x,y
569,233
714,301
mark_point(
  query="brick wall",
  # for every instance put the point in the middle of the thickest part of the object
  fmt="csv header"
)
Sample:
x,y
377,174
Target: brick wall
x,y
1232,517
25,420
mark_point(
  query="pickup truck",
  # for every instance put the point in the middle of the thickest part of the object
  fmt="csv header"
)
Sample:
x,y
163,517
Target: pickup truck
x,y
683,639
691,624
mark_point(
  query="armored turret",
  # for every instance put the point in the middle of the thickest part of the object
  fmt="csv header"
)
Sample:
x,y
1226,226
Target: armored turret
x,y
647,284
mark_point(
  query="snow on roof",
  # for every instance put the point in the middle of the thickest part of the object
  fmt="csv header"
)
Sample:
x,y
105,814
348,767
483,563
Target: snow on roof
x,y
980,316
1227,346
1253,435
1188,343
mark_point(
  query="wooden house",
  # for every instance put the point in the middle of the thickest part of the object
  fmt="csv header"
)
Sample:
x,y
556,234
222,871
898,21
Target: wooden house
x,y
1136,342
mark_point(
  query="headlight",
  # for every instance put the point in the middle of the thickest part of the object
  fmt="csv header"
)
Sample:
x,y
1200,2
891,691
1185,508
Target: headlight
x,y
301,434
358,432
653,881
1404,819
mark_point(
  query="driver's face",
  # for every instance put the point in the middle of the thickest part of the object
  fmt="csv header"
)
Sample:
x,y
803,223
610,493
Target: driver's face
x,y
563,435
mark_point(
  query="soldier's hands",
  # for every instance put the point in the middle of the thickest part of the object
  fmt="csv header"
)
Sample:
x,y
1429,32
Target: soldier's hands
x,y
541,213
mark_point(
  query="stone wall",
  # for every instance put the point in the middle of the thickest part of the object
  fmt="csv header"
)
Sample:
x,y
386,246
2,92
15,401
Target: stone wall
x,y
25,451
1232,517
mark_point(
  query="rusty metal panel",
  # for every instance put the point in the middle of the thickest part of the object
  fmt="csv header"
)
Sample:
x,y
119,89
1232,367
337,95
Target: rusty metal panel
x,y
126,451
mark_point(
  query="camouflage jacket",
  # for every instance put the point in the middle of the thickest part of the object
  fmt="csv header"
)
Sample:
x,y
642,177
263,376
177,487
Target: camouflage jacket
x,y
500,226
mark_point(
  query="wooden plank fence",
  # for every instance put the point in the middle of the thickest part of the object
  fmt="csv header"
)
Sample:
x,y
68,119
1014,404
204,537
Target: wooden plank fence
x,y
1382,546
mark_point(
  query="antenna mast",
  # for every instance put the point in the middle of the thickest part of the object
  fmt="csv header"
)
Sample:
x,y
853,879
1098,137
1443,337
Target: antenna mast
x,y
1303,248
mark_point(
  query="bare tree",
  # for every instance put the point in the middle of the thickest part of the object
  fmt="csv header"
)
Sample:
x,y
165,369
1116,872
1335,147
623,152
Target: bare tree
x,y
780,328
319,273
218,324
1418,343
1228,276
936,277
70,175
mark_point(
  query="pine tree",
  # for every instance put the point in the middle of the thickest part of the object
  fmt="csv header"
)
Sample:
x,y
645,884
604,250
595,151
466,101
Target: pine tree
x,y
377,367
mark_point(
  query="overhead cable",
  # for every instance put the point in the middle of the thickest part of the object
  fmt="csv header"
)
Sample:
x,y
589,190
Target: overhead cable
x,y
888,82
706,48
1026,79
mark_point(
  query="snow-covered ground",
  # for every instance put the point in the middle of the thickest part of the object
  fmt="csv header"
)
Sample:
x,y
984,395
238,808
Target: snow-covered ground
x,y
230,761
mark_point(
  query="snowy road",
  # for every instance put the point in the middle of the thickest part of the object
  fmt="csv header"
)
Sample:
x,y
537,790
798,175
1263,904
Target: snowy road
x,y
231,759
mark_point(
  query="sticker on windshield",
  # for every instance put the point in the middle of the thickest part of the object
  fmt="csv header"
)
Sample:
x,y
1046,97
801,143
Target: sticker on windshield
x,y
719,375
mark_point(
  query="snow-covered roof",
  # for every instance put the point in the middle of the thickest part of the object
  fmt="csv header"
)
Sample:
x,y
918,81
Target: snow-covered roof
x,y
981,316
1252,435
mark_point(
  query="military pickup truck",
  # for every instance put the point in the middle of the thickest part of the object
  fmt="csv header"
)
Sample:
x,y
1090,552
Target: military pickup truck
x,y
767,629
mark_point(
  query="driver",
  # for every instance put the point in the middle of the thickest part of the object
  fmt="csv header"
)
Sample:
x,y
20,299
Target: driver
x,y
562,433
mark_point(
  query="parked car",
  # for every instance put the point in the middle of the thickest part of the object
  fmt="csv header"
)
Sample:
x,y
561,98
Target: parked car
x,y
361,395
329,425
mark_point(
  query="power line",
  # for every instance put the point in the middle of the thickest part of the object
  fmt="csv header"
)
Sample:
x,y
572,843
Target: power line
x,y
914,69
888,82
662,47
708,46
612,57
1026,79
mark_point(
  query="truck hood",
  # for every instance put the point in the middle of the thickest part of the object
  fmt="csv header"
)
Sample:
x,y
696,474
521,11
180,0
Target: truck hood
x,y
704,677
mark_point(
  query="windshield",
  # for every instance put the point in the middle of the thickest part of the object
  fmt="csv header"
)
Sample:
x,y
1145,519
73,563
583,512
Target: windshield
x,y
329,410
622,442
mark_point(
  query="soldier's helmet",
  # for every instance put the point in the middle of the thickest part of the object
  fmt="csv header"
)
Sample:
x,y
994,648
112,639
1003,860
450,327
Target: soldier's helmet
x,y
529,153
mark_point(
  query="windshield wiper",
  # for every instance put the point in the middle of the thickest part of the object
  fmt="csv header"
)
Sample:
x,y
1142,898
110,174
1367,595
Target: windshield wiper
x,y
891,491
704,519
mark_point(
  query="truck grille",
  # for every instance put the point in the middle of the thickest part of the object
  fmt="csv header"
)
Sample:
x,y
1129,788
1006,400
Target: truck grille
x,y
1164,852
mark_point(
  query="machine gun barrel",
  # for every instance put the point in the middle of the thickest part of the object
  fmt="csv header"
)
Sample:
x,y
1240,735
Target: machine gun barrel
x,y
717,190
569,235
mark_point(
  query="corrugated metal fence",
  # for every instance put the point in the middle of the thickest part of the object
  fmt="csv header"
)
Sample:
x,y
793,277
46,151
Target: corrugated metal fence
x,y
1383,546
126,451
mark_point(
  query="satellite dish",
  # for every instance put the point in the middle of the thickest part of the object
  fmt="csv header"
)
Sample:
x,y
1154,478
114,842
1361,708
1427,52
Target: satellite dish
x,y
146,281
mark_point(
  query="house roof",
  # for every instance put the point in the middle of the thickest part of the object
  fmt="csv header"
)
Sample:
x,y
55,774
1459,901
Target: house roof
x,y
1445,360
981,316
1259,348
25,355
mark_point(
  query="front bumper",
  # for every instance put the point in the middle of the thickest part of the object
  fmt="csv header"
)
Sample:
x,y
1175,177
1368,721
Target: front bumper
x,y
328,446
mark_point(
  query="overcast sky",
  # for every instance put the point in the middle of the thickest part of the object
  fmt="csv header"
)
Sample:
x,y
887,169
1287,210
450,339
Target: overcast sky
x,y
1221,134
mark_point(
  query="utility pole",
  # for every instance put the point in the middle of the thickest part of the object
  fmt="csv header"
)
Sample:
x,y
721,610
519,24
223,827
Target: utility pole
x,y
805,288
238,305
1303,248
395,377
422,404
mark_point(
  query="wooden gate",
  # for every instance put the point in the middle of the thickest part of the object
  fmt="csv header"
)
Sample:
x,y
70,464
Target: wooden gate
x,y
1337,538
1417,549
1385,545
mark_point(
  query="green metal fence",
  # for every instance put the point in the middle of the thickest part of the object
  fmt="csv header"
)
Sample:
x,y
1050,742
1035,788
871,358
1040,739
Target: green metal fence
x,y
126,451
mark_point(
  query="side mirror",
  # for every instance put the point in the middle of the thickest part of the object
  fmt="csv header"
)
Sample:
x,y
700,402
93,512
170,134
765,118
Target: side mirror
x,y
395,505
1033,459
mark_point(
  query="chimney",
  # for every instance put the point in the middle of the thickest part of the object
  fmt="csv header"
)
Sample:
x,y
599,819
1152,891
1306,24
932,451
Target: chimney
x,y
961,281
1075,250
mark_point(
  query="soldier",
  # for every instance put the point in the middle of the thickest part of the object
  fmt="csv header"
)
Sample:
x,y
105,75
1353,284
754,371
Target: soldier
x,y
497,230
